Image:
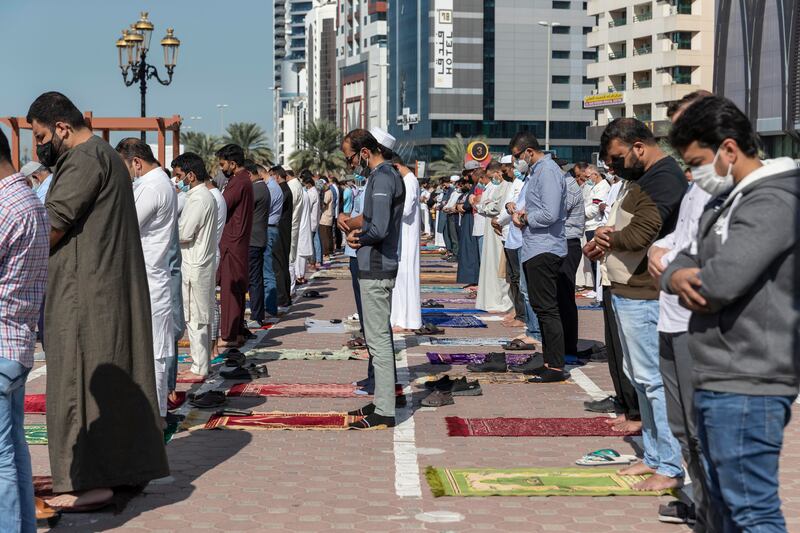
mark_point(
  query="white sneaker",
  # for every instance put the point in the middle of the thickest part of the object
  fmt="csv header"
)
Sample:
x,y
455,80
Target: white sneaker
x,y
590,295
252,324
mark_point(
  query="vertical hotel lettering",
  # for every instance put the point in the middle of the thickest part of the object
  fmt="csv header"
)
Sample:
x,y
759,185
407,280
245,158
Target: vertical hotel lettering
x,y
443,60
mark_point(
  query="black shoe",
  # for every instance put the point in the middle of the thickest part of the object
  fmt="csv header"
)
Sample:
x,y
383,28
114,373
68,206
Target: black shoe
x,y
494,362
373,421
443,383
535,362
209,400
438,398
549,375
364,411
400,401
676,512
607,405
462,387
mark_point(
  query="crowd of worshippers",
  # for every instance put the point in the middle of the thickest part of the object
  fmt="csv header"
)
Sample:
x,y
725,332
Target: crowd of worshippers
x,y
695,268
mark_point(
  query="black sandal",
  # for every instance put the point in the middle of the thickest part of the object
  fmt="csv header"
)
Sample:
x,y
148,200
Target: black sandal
x,y
518,345
429,329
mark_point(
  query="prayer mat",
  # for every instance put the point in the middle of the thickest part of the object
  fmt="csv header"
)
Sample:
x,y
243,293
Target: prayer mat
x,y
332,274
452,311
532,427
465,341
437,358
452,301
36,434
590,307
299,390
442,288
453,321
187,359
35,404
497,378
533,482
323,326
342,354
191,380
436,277
280,420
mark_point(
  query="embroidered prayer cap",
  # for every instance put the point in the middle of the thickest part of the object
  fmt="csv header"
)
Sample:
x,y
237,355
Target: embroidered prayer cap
x,y
383,138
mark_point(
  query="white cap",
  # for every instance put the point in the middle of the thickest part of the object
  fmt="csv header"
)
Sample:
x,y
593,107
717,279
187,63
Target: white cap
x,y
454,179
383,138
506,160
472,165
29,168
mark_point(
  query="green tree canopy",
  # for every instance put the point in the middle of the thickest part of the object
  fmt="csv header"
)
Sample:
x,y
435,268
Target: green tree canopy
x,y
252,138
321,151
455,153
204,145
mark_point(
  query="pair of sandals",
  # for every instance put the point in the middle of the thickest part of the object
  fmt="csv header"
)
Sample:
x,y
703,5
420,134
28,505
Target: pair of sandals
x,y
432,304
356,343
240,369
518,345
606,457
429,329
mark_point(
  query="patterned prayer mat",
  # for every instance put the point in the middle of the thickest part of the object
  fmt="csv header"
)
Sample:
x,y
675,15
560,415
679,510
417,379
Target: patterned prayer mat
x,y
442,289
512,358
323,326
36,434
299,390
343,354
452,311
453,321
332,274
464,341
436,277
533,482
451,301
35,404
186,358
280,420
497,378
532,427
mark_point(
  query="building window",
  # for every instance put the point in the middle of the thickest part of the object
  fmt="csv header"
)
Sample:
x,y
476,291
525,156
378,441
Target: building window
x,y
587,29
560,79
560,104
682,75
584,6
590,55
561,29
589,81
560,4
682,40
684,7
560,54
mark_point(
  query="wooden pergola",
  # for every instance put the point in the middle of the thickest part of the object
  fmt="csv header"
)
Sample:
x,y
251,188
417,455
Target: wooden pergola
x,y
105,125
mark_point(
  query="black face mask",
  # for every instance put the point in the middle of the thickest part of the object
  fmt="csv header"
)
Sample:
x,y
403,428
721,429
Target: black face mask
x,y
47,153
631,173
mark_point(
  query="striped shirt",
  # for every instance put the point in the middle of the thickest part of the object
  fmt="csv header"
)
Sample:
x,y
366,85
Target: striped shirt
x,y
24,251
576,213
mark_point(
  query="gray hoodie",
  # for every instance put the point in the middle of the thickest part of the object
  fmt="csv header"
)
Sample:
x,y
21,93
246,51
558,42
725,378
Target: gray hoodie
x,y
747,249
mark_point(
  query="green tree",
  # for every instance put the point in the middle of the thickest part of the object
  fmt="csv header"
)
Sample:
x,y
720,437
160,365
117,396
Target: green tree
x,y
454,155
320,153
204,145
252,138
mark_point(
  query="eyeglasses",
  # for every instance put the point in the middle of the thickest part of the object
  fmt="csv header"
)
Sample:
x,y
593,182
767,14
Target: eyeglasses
x,y
350,159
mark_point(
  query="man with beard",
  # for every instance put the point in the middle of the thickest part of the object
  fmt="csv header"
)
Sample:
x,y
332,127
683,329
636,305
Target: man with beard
x,y
233,274
102,411
282,248
469,255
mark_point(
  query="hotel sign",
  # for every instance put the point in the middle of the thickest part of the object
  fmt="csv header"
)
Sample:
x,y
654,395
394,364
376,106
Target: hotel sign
x,y
443,60
603,100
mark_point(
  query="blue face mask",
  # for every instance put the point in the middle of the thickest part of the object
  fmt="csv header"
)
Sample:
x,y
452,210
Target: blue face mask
x,y
181,185
518,174
359,179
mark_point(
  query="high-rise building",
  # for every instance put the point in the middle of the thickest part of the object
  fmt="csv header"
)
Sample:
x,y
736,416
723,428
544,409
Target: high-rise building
x,y
290,64
650,54
757,54
362,56
480,69
321,60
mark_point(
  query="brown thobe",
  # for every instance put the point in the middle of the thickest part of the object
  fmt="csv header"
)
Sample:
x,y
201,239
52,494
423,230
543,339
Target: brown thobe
x,y
102,413
234,250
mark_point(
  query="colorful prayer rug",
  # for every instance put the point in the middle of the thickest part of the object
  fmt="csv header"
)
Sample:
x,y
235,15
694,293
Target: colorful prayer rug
x,y
186,358
437,358
343,354
441,288
35,404
453,301
465,341
454,321
36,434
452,311
299,390
436,277
533,482
497,378
280,420
532,427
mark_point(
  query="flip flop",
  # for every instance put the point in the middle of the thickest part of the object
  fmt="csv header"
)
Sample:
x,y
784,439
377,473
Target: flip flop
x,y
429,329
518,345
605,457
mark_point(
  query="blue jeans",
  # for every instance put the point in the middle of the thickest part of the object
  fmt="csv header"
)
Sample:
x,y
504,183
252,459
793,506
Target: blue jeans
x,y
270,283
637,322
480,245
317,247
531,320
17,512
741,437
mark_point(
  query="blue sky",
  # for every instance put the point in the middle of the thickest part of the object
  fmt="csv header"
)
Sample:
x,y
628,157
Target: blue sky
x,y
68,45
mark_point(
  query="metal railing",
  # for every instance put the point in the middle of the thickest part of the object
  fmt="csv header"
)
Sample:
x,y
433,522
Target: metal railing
x,y
613,23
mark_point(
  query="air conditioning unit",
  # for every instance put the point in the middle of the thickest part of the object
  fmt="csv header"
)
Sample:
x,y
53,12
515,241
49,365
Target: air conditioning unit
x,y
595,91
674,46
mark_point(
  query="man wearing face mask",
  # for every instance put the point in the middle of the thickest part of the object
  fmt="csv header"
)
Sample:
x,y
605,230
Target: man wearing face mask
x,y
502,223
739,279
157,211
646,209
493,290
96,263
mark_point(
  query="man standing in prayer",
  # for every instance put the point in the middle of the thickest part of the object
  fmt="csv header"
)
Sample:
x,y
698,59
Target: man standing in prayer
x,y
157,211
23,275
596,198
406,305
493,290
197,231
326,220
296,189
305,246
565,288
376,236
102,410
222,217
281,251
469,256
258,243
233,273
314,214
273,218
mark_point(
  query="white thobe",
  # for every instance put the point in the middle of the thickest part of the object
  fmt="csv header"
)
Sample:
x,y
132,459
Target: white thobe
x,y
424,196
479,220
406,305
493,290
305,244
297,213
197,232
157,210
439,240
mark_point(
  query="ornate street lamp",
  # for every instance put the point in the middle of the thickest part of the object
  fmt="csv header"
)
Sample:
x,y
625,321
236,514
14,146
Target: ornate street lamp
x,y
132,49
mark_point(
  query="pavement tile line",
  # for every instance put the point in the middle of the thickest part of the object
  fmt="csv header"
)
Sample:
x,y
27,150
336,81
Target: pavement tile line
x,y
406,467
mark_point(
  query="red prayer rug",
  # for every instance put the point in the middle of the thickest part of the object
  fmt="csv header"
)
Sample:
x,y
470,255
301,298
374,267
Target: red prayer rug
x,y
532,427
299,390
35,404
279,420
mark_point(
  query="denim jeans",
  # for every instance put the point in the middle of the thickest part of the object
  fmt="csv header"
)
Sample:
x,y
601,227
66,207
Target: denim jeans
x,y
317,244
637,322
741,437
17,512
270,282
531,320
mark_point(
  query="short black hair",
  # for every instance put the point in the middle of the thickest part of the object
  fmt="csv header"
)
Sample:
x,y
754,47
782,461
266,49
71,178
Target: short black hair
x,y
52,107
231,152
494,165
712,120
250,166
305,173
279,171
191,162
686,101
397,160
307,180
131,147
5,149
290,172
581,165
627,130
524,140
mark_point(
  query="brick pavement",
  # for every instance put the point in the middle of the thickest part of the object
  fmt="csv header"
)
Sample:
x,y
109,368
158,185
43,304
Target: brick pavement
x,y
309,481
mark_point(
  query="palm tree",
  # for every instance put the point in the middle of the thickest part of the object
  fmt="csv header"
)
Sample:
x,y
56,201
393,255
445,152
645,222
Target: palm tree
x,y
455,153
252,138
321,153
204,145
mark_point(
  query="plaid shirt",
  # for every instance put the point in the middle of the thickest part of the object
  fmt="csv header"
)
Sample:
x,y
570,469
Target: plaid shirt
x,y
24,252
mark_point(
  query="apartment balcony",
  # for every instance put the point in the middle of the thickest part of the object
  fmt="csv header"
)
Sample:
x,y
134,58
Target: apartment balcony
x,y
643,17
643,50
642,84
617,22
596,7
689,58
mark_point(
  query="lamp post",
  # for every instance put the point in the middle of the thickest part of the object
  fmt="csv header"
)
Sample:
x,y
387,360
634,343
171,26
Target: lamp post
x,y
549,26
275,96
132,49
221,108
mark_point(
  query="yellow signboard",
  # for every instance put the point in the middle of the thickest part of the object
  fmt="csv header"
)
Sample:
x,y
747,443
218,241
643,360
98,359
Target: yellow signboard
x,y
603,100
